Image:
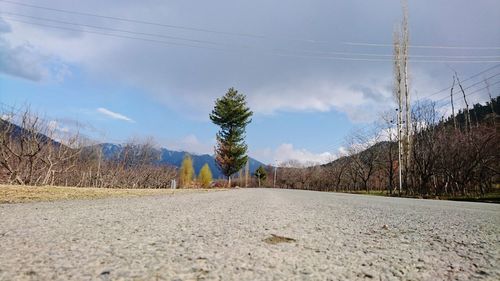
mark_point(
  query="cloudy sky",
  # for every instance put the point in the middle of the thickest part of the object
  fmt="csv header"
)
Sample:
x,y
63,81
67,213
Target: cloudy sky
x,y
132,69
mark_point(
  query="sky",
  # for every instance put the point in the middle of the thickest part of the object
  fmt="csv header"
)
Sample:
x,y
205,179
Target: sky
x,y
122,70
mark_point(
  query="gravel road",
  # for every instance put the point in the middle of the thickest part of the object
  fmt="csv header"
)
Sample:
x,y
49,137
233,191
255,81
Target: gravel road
x,y
229,236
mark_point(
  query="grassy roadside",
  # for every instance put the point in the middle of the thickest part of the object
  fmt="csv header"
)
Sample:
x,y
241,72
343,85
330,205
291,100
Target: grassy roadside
x,y
22,194
493,197
371,192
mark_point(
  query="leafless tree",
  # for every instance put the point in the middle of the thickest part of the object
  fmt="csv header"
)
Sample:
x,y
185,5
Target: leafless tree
x,y
34,152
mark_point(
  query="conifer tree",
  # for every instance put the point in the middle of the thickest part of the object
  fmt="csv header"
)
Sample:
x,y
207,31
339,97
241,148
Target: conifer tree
x,y
186,172
232,114
205,176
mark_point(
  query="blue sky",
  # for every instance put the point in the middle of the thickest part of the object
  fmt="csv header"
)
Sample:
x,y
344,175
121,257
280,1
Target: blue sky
x,y
306,100
80,100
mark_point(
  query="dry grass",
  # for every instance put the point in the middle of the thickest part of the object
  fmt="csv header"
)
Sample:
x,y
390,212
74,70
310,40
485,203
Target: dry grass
x,y
22,194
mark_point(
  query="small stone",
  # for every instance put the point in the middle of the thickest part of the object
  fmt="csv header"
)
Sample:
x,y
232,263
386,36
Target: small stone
x,y
482,272
368,275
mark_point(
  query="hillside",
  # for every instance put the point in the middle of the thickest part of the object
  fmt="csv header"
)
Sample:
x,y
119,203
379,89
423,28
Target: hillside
x,y
444,160
479,113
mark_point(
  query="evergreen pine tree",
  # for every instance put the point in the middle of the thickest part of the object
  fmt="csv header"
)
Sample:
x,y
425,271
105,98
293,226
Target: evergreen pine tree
x,y
232,115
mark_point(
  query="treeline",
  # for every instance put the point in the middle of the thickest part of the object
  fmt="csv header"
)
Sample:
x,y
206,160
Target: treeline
x,y
444,159
35,152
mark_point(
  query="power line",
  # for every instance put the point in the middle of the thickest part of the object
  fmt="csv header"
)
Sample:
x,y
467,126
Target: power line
x,y
112,35
245,35
268,52
197,29
467,79
222,44
477,83
386,60
423,46
341,140
471,93
470,86
108,28
182,27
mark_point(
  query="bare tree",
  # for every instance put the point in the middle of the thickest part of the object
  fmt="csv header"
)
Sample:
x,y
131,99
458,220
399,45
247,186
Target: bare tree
x,y
33,152
452,105
364,156
467,112
388,158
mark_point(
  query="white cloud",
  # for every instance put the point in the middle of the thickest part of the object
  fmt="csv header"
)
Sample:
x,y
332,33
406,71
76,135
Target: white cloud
x,y
23,59
322,95
7,117
189,79
272,83
114,115
191,144
343,151
286,152
52,125
62,134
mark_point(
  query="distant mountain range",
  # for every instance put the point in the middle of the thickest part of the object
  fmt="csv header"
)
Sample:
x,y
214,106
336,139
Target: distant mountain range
x,y
170,157
175,158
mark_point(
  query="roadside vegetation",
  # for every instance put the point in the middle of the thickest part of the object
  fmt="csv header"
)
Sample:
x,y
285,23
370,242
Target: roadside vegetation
x,y
33,152
446,162
454,158
418,150
414,152
22,194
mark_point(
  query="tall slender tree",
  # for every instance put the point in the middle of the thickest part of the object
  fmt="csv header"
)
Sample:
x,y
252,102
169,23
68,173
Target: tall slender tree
x,y
205,176
402,94
232,114
247,172
186,172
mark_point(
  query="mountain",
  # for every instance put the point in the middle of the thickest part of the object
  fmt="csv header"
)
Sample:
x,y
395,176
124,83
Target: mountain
x,y
111,150
175,158
17,132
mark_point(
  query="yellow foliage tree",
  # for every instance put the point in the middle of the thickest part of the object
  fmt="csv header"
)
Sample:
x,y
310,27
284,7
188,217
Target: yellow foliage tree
x,y
205,176
186,172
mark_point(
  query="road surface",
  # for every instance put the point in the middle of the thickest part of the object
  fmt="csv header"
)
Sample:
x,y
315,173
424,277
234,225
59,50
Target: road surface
x,y
229,236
